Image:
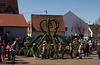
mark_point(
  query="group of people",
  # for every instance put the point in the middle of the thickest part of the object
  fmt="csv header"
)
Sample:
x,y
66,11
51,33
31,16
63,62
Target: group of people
x,y
76,48
80,48
8,49
60,50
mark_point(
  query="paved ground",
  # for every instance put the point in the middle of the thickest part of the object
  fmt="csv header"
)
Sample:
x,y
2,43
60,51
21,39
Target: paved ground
x,y
21,60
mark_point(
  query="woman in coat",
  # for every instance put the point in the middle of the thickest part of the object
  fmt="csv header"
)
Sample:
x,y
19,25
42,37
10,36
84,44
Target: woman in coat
x,y
98,50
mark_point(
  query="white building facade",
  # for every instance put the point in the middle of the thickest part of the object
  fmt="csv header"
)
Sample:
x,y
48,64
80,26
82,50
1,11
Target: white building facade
x,y
70,20
36,33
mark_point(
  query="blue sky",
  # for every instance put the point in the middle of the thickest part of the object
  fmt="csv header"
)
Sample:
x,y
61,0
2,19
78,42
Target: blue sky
x,y
88,10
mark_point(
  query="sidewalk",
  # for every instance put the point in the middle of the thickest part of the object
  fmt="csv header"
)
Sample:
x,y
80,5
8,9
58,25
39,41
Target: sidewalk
x,y
21,60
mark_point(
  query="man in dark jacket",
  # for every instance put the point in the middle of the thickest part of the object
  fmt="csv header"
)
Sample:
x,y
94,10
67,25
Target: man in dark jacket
x,y
0,53
0,49
34,50
98,50
86,50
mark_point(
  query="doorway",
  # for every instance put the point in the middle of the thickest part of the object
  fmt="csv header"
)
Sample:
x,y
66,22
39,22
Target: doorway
x,y
1,30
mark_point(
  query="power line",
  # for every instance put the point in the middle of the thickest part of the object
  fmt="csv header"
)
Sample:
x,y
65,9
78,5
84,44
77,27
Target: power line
x,y
35,12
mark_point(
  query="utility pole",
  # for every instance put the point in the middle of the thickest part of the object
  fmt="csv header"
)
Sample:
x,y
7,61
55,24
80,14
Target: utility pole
x,y
89,22
46,12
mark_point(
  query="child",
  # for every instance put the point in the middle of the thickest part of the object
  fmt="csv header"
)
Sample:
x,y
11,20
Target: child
x,y
43,51
2,51
8,47
13,51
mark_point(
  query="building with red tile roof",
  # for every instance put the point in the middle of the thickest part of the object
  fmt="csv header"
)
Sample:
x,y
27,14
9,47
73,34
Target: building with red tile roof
x,y
93,29
29,22
35,21
13,24
9,6
14,20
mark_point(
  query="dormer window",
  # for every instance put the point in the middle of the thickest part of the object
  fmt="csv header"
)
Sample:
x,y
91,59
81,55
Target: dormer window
x,y
50,25
2,4
9,10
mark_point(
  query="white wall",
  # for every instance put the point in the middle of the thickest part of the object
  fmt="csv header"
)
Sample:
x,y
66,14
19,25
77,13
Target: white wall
x,y
36,33
16,31
91,33
70,19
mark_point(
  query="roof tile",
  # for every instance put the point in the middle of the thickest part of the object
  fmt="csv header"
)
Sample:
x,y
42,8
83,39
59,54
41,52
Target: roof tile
x,y
13,20
93,28
37,18
12,3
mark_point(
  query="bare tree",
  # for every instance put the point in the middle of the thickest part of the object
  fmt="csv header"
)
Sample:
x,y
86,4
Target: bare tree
x,y
97,30
79,27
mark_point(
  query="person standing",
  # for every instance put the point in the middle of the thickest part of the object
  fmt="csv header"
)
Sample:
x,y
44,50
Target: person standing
x,y
80,51
86,50
2,51
90,47
34,50
8,52
60,51
13,51
98,50
71,50
44,51
4,48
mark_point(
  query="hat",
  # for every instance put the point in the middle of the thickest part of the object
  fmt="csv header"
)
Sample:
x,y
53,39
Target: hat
x,y
16,39
33,44
44,41
43,44
69,43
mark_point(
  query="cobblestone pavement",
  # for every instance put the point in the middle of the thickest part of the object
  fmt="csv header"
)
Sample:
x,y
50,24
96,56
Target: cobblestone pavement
x,y
21,60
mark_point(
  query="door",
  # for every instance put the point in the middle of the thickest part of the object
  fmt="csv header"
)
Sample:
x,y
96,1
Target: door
x,y
1,30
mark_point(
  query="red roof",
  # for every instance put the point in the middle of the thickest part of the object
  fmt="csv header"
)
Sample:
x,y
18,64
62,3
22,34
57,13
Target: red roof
x,y
12,3
13,20
29,22
37,18
93,28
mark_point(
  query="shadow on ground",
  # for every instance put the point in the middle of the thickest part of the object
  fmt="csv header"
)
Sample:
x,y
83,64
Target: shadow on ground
x,y
87,58
15,63
23,57
19,60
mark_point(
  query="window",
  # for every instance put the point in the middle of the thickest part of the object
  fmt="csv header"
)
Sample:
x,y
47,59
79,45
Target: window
x,y
7,32
9,10
66,29
2,4
71,29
